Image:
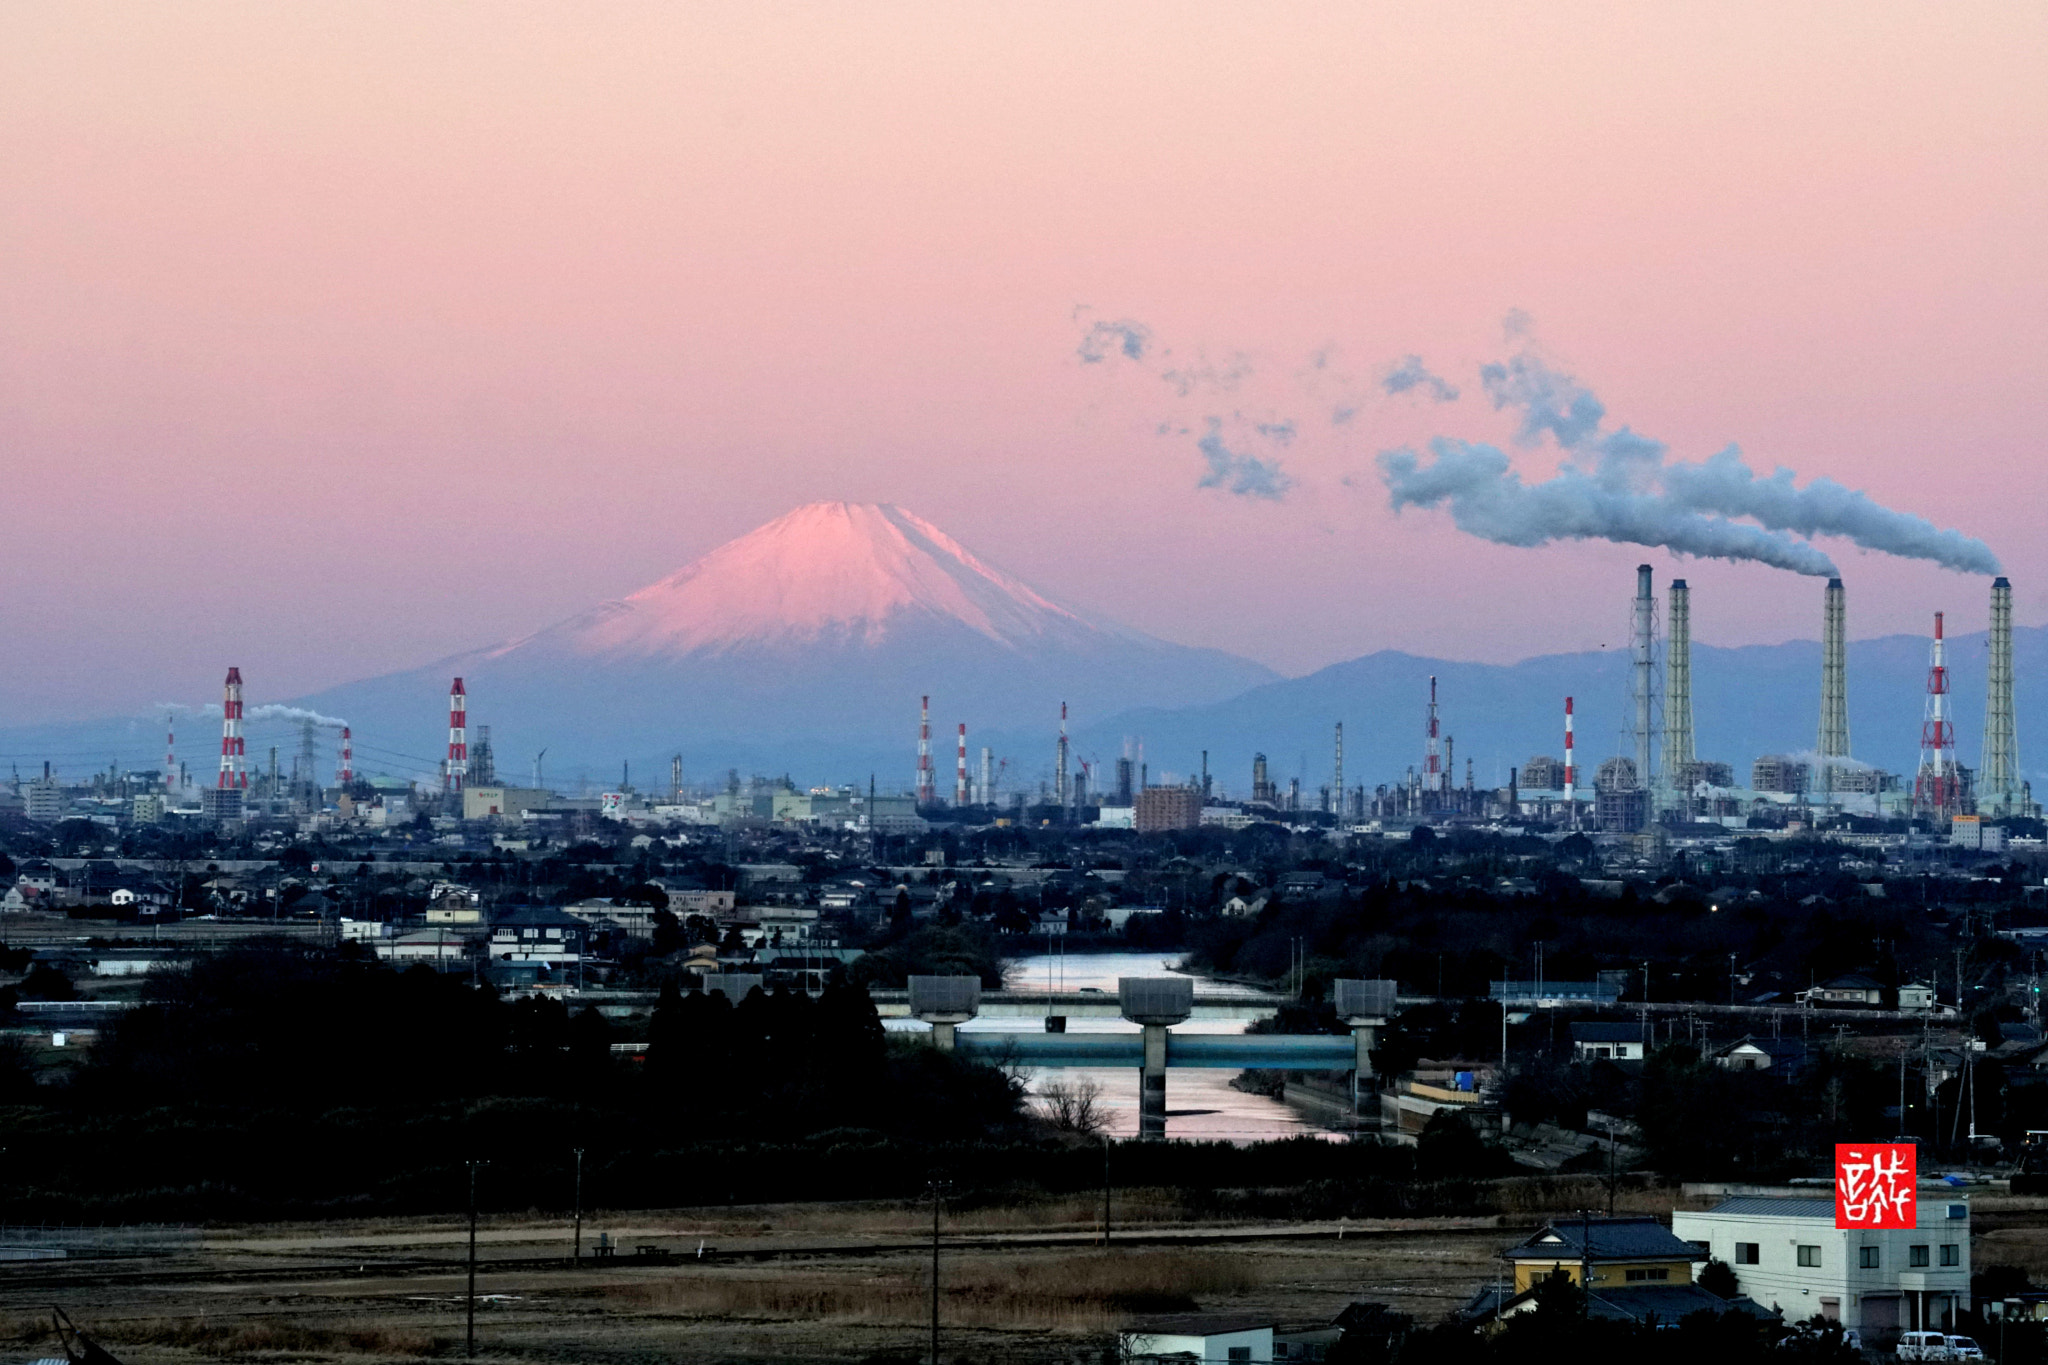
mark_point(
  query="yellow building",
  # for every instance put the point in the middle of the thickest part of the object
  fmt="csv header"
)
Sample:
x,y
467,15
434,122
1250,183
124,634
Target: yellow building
x,y
1632,1269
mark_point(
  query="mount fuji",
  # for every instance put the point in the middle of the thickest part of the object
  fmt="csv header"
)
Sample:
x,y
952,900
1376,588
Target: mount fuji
x,y
801,647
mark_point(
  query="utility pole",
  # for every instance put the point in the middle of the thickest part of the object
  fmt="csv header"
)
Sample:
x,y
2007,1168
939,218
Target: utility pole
x,y
1105,1189
938,1188
578,1256
469,1348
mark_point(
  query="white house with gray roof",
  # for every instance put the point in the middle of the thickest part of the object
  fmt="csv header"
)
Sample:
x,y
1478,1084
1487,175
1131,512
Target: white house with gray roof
x,y
1789,1255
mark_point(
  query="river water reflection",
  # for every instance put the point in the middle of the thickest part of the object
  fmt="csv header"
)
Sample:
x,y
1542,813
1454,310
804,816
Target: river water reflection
x,y
1199,1102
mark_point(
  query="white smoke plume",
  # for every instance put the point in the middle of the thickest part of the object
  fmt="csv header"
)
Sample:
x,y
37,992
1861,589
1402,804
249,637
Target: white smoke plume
x,y
268,711
1621,486
275,712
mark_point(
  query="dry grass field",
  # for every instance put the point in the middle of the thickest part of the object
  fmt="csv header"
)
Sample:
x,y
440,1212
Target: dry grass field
x,y
794,1283
797,1283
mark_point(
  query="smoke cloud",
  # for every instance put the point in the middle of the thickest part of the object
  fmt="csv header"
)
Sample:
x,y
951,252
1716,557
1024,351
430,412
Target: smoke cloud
x,y
1235,472
274,712
268,711
1106,339
1621,486
1489,500
1412,374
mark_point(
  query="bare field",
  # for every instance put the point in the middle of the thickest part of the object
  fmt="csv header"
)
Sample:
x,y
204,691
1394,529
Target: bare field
x,y
847,1282
837,1283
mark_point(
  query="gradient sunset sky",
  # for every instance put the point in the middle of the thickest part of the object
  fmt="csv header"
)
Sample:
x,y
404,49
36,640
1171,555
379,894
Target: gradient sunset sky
x,y
337,337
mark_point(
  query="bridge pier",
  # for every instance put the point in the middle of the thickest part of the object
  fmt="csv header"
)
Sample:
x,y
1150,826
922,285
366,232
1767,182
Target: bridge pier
x,y
1155,1004
945,1002
1366,1006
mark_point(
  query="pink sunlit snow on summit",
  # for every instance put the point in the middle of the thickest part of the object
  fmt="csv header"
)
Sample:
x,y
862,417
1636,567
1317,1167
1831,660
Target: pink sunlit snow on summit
x,y
853,572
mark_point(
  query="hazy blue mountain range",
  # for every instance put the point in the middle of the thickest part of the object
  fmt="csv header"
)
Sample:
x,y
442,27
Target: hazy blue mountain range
x,y
803,647
1746,701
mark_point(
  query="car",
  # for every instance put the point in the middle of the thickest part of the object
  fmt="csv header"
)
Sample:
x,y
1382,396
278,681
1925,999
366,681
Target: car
x,y
1923,1346
1964,1348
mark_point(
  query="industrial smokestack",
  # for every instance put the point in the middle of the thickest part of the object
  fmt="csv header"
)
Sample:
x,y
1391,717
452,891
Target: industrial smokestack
x,y
1337,776
1571,768
1936,790
1432,759
1998,782
1834,684
232,772
1642,638
924,751
458,739
1061,790
960,781
1678,748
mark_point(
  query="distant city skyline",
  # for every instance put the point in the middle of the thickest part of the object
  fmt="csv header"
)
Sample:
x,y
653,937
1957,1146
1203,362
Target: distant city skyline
x,y
335,342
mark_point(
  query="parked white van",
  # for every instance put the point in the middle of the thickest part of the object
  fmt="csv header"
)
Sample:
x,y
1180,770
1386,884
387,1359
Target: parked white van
x,y
1923,1346
1963,1348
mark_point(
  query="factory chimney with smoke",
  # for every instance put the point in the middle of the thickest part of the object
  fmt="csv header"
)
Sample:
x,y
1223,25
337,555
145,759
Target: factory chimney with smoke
x,y
1643,687
1998,774
1678,745
1834,687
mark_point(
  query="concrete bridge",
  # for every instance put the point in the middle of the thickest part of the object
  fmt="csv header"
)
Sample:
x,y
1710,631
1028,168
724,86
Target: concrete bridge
x,y
1006,1004
1155,1004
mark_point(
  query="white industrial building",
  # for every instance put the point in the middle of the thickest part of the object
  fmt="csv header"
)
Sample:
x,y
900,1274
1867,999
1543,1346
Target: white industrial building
x,y
1789,1255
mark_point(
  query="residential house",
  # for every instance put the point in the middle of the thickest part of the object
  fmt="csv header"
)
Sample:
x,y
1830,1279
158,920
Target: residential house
x,y
1617,1042
1198,1339
636,920
1849,992
537,933
1789,1254
1248,905
1784,1056
445,946
1917,996
1632,1269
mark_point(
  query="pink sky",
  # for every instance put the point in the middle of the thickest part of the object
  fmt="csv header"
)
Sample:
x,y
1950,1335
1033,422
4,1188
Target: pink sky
x,y
335,338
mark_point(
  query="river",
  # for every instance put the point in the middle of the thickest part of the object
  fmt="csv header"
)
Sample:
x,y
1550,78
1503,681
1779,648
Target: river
x,y
1200,1103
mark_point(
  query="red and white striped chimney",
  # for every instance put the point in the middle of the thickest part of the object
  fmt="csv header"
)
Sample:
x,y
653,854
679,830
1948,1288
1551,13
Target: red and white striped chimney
x,y
346,774
170,756
1571,767
232,772
960,782
458,739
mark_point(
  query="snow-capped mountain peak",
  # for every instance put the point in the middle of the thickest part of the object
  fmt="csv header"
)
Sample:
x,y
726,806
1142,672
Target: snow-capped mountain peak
x,y
846,572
